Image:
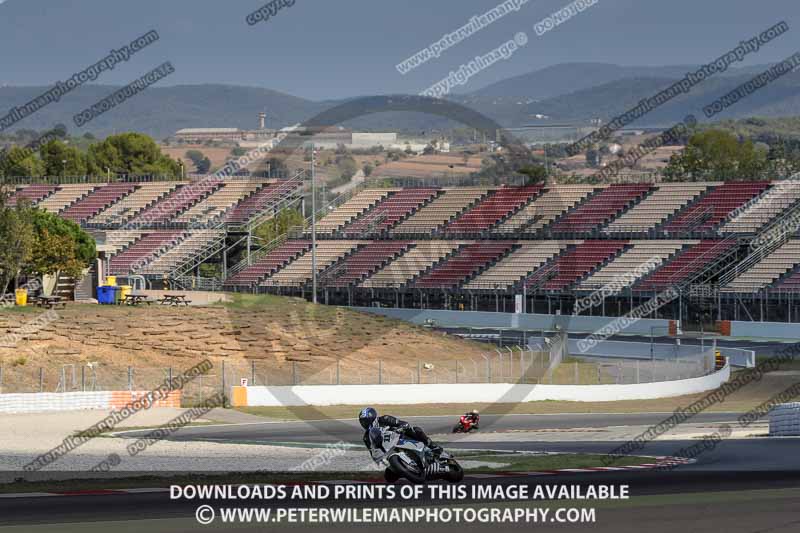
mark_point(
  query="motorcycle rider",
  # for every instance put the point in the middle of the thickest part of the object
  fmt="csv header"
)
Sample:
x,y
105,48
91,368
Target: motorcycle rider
x,y
474,417
368,418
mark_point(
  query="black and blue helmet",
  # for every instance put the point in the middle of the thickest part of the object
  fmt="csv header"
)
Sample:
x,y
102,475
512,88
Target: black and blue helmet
x,y
367,417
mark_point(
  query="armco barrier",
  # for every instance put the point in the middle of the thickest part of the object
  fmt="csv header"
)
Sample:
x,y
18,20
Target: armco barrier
x,y
75,401
784,420
320,395
527,321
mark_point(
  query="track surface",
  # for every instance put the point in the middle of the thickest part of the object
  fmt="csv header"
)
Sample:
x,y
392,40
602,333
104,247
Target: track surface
x,y
743,485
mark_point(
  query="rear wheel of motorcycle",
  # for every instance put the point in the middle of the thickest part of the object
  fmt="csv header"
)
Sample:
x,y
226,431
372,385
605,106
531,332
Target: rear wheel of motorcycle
x,y
456,473
391,476
401,468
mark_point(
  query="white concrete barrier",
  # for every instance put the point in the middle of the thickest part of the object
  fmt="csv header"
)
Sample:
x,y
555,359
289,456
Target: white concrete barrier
x,y
468,393
35,402
784,420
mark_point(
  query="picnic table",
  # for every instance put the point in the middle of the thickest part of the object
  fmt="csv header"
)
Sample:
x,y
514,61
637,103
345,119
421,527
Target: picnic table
x,y
136,299
174,299
50,302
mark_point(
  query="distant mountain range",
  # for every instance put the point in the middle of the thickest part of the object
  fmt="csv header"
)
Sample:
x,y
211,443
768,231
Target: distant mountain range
x,y
564,93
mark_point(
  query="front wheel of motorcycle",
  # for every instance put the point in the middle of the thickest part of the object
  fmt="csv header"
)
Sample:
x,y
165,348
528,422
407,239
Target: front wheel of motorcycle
x,y
455,473
457,428
402,469
391,476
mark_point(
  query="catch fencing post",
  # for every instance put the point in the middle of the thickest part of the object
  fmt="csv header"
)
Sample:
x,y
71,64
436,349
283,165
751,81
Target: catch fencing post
x,y
1,379
130,378
576,373
253,372
294,372
83,378
419,371
41,379
380,372
170,378
338,372
456,370
637,372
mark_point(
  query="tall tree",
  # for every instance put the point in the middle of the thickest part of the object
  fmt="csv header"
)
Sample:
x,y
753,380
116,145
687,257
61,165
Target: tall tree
x,y
717,155
16,241
131,153
60,159
20,162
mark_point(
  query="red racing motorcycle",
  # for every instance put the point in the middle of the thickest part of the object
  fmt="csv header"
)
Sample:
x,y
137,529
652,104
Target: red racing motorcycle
x,y
466,423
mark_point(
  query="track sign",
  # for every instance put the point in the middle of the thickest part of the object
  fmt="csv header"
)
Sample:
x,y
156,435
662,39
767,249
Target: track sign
x,y
244,382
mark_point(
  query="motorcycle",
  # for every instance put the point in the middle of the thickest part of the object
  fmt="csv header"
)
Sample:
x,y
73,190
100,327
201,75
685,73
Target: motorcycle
x,y
411,459
465,425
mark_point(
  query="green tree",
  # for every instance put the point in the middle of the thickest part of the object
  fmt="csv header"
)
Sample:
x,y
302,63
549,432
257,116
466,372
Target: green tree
x,y
16,241
18,161
347,167
367,169
60,245
280,224
131,153
717,155
536,173
61,159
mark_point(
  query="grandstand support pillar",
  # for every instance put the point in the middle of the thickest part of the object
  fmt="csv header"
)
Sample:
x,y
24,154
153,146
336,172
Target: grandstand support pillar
x,y
719,305
313,224
397,298
249,242
224,265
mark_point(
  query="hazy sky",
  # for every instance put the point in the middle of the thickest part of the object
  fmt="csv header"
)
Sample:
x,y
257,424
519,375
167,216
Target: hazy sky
x,y
322,49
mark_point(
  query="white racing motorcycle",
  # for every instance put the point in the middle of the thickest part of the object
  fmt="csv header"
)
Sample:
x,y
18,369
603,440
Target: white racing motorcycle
x,y
410,459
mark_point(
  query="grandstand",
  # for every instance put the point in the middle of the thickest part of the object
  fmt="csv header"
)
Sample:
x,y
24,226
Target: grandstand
x,y
477,246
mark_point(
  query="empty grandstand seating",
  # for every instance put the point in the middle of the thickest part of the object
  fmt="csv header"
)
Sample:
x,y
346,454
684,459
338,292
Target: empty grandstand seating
x,y
264,266
299,272
65,195
574,264
349,210
96,201
363,262
771,204
220,201
623,271
519,264
390,211
141,252
601,208
407,266
264,199
182,252
778,263
667,200
464,264
686,264
502,203
35,193
553,203
714,207
445,207
177,201
146,194
117,240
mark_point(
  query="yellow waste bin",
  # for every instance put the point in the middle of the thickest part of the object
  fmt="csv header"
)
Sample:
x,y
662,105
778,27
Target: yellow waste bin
x,y
124,291
111,281
22,297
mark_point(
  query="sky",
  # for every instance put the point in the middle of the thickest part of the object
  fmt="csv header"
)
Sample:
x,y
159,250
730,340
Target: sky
x,y
330,49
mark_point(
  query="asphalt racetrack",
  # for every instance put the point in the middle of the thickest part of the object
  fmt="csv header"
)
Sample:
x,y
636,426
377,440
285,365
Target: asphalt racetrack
x,y
747,485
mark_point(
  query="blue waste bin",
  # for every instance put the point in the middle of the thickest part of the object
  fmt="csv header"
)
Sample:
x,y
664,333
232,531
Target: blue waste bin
x,y
105,294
